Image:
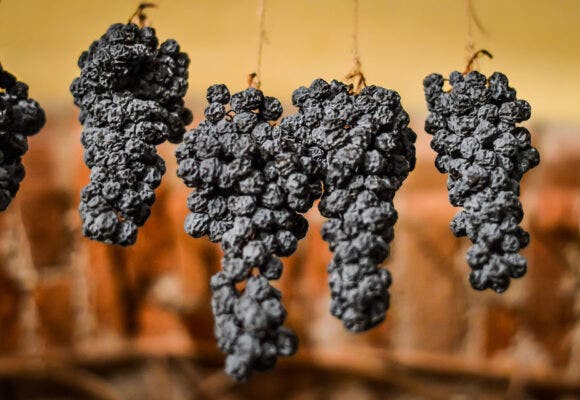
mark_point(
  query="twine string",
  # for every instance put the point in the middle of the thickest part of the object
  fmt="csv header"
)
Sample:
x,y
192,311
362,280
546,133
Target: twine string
x,y
470,40
255,78
356,76
355,45
472,20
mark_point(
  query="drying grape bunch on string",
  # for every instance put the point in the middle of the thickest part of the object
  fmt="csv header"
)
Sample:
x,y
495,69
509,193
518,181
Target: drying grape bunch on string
x,y
20,117
485,153
250,186
365,151
251,183
360,139
130,93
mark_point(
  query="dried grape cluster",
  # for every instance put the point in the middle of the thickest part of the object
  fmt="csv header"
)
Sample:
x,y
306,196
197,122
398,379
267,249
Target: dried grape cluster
x,y
130,92
485,154
251,182
20,117
364,150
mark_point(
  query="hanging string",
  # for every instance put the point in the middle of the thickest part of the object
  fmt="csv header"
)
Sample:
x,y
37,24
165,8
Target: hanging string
x,y
140,16
472,20
355,49
255,78
470,41
355,75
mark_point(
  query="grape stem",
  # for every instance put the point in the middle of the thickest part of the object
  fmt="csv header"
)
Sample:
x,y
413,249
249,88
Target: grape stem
x,y
474,57
140,15
357,77
253,80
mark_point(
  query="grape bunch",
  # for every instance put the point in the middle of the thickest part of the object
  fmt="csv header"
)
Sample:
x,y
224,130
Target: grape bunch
x,y
364,151
251,183
485,154
20,117
130,92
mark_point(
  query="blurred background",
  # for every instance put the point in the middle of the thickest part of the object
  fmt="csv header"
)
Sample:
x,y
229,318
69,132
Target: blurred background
x,y
83,320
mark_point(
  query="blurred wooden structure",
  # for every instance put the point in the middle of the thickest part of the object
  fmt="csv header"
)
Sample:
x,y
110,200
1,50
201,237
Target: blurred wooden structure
x,y
79,319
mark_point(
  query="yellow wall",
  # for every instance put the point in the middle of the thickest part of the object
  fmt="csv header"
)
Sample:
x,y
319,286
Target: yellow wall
x,y
537,43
